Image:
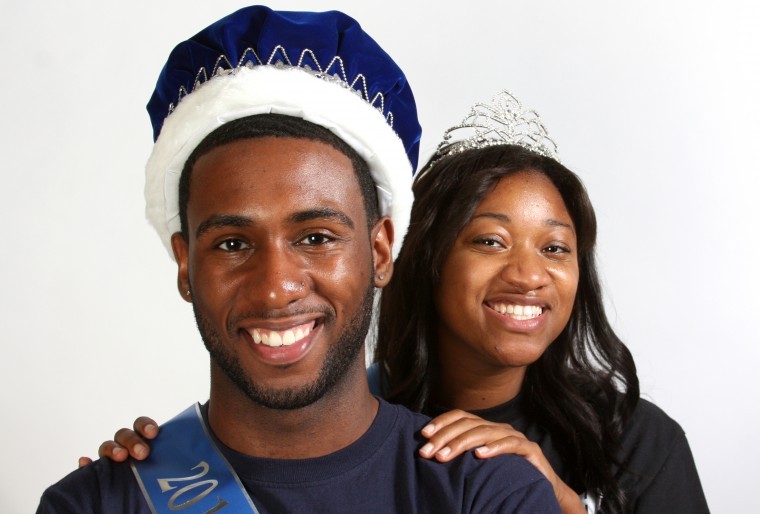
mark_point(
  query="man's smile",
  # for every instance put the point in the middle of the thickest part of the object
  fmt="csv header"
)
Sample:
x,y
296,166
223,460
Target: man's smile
x,y
285,337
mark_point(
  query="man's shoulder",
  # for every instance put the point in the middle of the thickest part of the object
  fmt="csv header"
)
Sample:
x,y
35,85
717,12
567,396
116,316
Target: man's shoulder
x,y
405,418
100,487
408,426
505,483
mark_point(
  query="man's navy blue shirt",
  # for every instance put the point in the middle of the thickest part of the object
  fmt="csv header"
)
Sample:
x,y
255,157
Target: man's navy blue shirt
x,y
381,472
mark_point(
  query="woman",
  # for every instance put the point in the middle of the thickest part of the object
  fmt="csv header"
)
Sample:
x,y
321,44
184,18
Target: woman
x,y
495,308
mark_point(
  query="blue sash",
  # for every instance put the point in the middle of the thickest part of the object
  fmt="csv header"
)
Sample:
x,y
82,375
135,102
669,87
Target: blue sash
x,y
186,472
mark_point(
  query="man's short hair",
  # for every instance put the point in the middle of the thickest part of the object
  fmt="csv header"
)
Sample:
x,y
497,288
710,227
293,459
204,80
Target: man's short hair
x,y
278,125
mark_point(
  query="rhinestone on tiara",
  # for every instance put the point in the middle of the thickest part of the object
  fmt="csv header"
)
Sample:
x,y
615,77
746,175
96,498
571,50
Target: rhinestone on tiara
x,y
502,122
334,72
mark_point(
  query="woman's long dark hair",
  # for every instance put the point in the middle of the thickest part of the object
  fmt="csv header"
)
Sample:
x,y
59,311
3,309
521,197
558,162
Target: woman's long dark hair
x,y
584,387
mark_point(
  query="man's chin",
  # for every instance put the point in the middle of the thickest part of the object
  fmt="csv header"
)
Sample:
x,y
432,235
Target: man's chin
x,y
290,398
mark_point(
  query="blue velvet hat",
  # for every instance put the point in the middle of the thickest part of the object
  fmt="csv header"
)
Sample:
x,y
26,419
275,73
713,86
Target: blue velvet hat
x,y
321,67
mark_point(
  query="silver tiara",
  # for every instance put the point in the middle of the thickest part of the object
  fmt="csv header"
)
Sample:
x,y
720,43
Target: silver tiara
x,y
334,72
502,122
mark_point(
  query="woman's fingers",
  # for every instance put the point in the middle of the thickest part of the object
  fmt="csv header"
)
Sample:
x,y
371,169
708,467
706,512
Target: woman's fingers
x,y
132,442
452,435
518,445
444,420
127,443
113,451
146,427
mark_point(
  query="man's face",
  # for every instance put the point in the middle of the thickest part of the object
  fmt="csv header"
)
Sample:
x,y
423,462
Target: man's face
x,y
281,265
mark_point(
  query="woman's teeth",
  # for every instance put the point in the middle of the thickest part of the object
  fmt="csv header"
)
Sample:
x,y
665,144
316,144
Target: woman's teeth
x,y
518,312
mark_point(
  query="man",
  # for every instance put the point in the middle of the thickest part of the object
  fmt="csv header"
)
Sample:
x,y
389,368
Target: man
x,y
280,188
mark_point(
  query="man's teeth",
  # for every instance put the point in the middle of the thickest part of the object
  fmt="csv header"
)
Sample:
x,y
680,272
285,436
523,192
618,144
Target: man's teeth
x,y
281,337
518,312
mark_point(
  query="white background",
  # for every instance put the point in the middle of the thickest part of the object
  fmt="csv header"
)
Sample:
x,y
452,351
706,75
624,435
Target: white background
x,y
653,103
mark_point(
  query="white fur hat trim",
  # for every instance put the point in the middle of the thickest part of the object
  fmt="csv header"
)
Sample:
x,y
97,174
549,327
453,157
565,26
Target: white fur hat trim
x,y
277,90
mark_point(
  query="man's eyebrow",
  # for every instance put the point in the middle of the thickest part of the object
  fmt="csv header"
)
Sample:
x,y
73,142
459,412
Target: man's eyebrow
x,y
220,221
322,213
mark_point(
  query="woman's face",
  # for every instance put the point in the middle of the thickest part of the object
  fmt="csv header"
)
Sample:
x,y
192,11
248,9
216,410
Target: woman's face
x,y
508,285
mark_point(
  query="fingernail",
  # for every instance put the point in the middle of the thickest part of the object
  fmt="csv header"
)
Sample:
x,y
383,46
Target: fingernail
x,y
151,429
140,450
425,450
443,452
483,450
429,429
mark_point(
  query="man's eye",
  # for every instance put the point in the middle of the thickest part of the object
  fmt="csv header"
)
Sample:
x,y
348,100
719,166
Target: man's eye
x,y
315,239
232,245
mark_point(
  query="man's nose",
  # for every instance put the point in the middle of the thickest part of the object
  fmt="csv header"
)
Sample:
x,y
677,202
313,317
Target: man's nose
x,y
277,276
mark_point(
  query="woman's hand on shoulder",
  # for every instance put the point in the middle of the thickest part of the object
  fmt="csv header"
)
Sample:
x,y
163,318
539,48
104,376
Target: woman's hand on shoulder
x,y
455,432
127,443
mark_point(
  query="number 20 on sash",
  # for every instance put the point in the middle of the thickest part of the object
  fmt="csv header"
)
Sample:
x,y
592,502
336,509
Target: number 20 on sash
x,y
195,482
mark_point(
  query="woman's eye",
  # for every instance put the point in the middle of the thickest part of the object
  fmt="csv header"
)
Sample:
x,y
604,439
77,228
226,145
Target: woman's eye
x,y
315,239
232,245
491,242
556,249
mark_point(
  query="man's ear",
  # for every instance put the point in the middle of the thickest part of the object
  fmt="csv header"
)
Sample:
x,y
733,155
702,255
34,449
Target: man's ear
x,y
382,251
180,249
